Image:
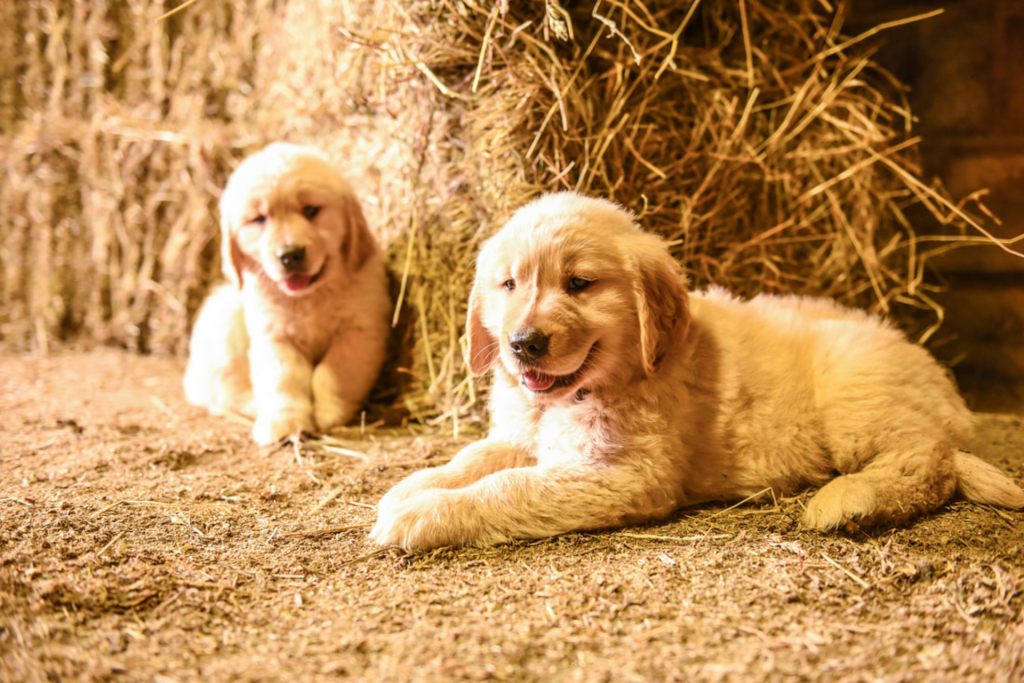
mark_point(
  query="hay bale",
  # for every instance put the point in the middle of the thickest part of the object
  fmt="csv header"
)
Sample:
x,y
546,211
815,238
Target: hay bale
x,y
764,145
113,142
761,142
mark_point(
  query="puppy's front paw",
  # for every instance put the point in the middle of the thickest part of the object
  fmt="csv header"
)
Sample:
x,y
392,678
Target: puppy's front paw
x,y
842,502
330,405
330,413
269,429
430,520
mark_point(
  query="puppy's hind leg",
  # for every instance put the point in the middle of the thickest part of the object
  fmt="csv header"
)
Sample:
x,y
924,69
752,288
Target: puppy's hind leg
x,y
891,489
217,376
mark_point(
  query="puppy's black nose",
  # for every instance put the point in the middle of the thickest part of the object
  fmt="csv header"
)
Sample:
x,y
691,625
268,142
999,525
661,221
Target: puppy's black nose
x,y
292,257
529,344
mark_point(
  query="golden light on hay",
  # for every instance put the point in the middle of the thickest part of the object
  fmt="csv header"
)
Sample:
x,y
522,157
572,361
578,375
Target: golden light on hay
x,y
756,137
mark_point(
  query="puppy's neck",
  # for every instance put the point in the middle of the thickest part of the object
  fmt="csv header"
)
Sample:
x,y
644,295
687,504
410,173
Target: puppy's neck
x,y
510,397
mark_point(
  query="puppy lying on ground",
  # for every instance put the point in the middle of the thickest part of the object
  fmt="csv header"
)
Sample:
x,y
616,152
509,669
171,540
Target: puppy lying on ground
x,y
297,337
618,398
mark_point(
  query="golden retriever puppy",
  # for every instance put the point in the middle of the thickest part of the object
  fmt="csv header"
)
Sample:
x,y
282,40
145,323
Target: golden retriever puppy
x,y
618,398
298,335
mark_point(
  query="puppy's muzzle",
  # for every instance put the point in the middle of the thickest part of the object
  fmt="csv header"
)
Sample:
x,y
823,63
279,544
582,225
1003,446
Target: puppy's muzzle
x,y
528,345
292,258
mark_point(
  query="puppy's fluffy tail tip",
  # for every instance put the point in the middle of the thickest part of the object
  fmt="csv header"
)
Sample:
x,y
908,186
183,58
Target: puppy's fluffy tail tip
x,y
980,482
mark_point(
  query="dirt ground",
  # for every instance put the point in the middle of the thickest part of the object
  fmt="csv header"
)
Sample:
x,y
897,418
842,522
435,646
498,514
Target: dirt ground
x,y
141,539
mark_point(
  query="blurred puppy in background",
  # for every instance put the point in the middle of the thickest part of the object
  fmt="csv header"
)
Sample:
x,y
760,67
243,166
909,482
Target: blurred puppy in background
x,y
618,398
297,337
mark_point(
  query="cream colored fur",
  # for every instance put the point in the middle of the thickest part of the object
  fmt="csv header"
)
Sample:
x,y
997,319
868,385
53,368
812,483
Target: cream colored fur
x,y
684,398
292,360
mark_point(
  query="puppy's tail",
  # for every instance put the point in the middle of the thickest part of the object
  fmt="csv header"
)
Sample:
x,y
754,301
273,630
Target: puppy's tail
x,y
978,481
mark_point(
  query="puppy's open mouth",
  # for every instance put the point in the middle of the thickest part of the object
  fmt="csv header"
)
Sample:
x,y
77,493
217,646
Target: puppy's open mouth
x,y
299,282
539,382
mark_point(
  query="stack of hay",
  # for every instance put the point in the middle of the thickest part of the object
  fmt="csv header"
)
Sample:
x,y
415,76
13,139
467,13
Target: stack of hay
x,y
754,136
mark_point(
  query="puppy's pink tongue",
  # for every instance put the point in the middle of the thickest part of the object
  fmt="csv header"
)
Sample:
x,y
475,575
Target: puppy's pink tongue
x,y
296,283
538,381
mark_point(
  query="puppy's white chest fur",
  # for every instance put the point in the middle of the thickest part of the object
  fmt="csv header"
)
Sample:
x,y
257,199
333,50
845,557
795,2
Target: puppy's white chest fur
x,y
578,431
310,323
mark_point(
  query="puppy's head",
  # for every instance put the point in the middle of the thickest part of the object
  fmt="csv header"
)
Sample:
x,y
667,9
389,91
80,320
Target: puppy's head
x,y
571,295
288,216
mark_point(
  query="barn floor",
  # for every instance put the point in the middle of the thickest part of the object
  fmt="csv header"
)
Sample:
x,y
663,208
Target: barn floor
x,y
141,539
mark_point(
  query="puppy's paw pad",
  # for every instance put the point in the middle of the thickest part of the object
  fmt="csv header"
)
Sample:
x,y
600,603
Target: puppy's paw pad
x,y
839,503
269,430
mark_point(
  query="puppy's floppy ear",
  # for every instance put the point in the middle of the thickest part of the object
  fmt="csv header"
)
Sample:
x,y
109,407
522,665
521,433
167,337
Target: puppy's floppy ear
x,y
230,255
359,243
481,347
662,306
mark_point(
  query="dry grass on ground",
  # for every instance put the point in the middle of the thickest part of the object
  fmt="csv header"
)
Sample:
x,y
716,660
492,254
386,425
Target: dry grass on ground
x,y
141,539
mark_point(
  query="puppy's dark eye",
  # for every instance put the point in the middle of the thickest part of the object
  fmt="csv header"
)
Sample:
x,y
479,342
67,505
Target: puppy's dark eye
x,y
258,220
509,285
578,284
310,212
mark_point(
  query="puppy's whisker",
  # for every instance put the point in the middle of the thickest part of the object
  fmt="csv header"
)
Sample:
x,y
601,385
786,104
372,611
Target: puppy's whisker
x,y
483,352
